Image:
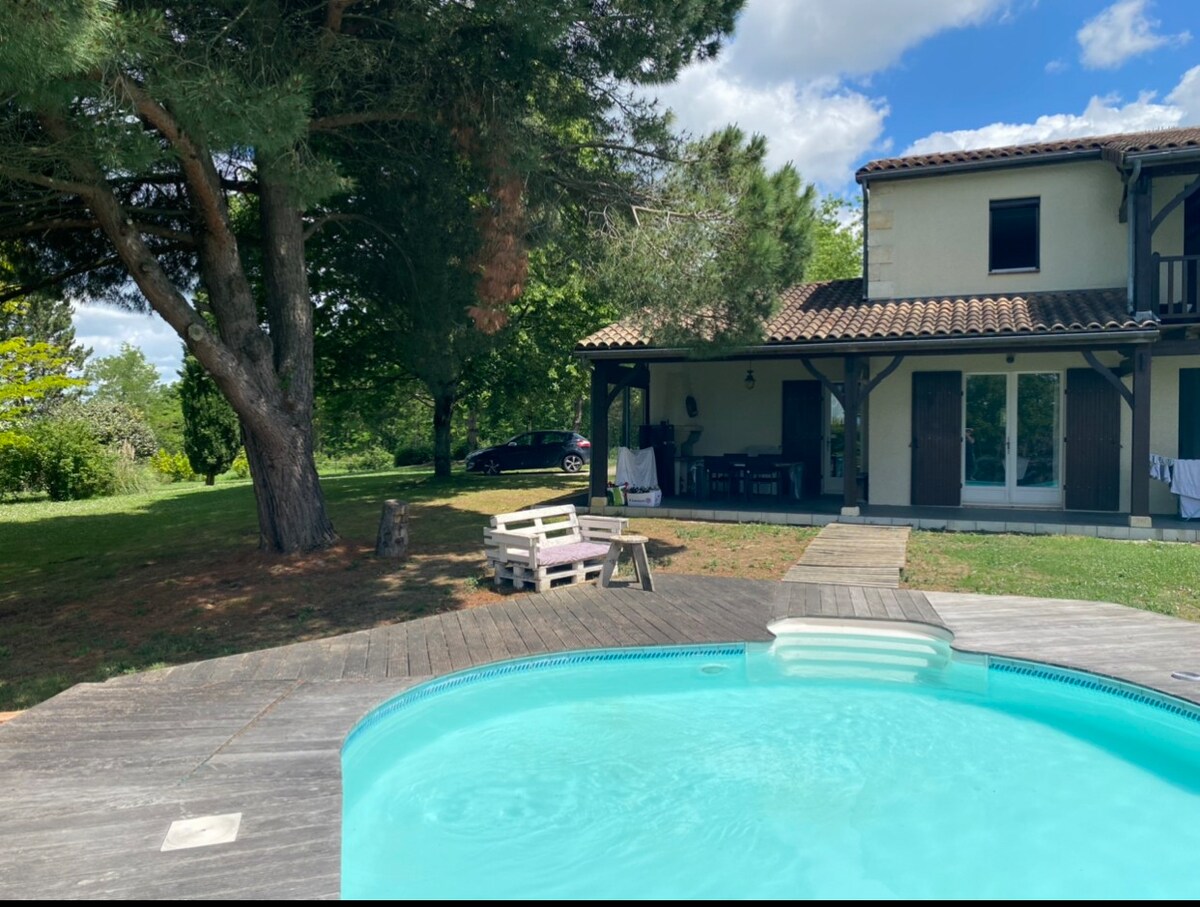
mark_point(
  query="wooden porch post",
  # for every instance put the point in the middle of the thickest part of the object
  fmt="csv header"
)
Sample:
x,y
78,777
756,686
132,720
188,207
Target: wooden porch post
x,y
599,468
850,405
1144,266
1139,465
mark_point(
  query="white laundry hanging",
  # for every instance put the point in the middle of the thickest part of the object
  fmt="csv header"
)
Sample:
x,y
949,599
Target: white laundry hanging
x,y
636,468
1160,467
1185,482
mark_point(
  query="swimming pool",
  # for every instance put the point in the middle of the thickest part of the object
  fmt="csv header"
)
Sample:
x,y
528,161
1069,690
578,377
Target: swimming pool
x,y
830,764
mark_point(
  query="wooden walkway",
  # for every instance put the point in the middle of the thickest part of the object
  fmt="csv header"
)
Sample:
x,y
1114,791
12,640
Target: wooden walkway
x,y
853,555
93,778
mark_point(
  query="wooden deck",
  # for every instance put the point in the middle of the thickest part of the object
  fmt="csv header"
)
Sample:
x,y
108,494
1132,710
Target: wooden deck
x,y
853,555
94,777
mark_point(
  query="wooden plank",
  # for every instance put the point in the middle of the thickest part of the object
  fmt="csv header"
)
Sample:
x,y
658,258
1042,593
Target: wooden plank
x,y
519,637
456,642
498,642
398,664
478,650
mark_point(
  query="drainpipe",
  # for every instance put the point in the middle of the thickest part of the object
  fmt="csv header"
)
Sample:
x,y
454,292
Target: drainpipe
x,y
1131,197
866,209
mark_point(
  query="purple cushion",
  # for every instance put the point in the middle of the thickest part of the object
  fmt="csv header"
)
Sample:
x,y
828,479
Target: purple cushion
x,y
567,554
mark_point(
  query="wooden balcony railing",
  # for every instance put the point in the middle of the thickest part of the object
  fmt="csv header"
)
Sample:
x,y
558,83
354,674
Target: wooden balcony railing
x,y
1176,286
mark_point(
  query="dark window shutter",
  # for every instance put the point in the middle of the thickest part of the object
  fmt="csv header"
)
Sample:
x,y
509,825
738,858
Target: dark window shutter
x,y
1093,432
937,439
801,436
1189,413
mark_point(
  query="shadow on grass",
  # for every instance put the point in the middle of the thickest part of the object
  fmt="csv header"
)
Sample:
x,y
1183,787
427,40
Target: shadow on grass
x,y
93,591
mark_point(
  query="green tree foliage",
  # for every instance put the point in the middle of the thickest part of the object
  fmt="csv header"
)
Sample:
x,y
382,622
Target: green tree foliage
x,y
837,245
530,378
125,377
128,378
128,125
211,434
702,260
31,371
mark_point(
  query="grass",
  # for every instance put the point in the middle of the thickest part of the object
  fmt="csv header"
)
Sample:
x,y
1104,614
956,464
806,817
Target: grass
x,y
1154,576
92,589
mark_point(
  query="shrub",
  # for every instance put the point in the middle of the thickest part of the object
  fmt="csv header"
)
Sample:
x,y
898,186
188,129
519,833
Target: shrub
x,y
415,454
69,463
241,465
173,467
18,463
370,460
113,424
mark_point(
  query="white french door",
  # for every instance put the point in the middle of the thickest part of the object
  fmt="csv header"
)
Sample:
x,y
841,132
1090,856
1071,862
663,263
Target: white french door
x,y
1012,433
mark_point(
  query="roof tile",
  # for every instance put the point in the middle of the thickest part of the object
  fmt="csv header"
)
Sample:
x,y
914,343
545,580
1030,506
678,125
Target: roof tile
x,y
1110,147
834,311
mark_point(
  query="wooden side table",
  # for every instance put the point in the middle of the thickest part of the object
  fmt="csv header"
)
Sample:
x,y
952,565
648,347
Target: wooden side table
x,y
641,563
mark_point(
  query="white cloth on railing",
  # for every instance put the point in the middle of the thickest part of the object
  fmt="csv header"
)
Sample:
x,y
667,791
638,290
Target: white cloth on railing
x,y
636,468
1185,482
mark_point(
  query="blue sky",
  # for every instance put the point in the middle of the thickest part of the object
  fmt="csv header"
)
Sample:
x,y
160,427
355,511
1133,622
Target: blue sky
x,y
835,83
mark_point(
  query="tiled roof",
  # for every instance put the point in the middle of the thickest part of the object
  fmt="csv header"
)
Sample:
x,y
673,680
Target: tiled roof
x,y
1109,147
834,311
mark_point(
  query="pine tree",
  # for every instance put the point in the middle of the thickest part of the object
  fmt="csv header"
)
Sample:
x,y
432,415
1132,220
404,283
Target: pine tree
x,y
211,435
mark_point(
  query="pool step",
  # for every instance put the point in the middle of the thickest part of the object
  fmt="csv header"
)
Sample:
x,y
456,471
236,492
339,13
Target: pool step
x,y
877,650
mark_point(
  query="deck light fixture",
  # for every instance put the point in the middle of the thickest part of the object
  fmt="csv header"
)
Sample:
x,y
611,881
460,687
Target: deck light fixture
x,y
750,382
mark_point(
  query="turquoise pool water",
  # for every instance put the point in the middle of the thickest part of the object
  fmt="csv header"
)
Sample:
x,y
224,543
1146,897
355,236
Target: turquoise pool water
x,y
846,770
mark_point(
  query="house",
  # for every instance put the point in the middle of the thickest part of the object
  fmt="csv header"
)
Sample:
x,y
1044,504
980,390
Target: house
x,y
1024,338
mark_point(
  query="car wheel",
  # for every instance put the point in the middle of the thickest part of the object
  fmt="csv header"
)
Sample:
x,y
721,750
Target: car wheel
x,y
572,462
491,467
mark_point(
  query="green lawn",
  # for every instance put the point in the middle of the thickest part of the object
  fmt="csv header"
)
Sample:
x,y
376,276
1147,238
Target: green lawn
x,y
94,588
1155,576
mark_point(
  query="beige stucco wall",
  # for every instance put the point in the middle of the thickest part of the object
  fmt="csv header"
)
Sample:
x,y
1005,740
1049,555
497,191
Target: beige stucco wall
x,y
929,235
890,425
733,419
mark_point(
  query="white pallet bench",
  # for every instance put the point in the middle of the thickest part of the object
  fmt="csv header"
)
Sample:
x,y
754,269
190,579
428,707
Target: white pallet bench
x,y
540,546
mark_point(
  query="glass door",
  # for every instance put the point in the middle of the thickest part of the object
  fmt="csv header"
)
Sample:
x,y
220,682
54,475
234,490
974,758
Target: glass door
x,y
1011,439
985,440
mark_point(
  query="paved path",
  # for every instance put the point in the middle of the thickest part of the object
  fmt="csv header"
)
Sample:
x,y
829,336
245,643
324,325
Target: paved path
x,y
853,555
93,778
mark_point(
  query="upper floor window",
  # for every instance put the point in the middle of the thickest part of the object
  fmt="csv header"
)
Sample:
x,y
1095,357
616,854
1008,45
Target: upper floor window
x,y
1013,243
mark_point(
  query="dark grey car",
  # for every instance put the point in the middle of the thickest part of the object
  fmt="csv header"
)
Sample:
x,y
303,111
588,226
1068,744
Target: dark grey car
x,y
568,450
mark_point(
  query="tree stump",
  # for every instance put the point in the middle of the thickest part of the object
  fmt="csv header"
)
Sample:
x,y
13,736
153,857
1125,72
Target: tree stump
x,y
392,540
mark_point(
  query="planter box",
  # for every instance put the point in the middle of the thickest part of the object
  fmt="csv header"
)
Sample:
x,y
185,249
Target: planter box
x,y
644,499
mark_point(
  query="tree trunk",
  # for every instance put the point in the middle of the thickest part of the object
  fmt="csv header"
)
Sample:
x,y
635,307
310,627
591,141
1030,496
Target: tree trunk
x,y
392,538
443,413
265,375
473,429
291,508
577,422
210,478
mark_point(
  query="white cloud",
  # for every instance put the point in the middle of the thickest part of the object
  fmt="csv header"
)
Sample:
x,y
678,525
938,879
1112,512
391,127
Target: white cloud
x,y
1057,66
1119,32
777,40
104,328
784,76
820,126
1101,117
1186,96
